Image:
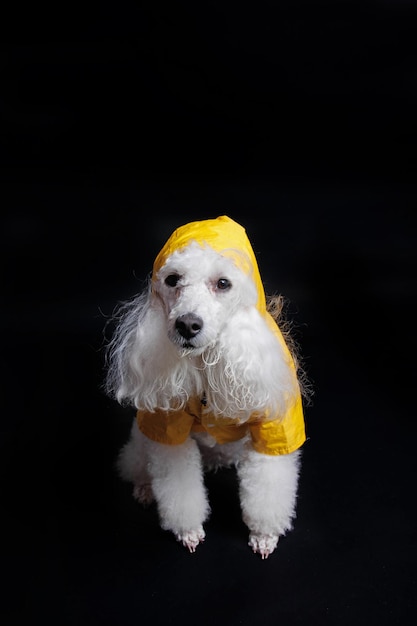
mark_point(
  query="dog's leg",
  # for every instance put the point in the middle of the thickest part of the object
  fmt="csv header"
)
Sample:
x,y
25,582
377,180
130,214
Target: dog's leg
x,y
268,492
178,485
132,466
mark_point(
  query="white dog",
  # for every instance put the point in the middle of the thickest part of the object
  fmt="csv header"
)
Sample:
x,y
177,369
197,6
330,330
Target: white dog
x,y
214,384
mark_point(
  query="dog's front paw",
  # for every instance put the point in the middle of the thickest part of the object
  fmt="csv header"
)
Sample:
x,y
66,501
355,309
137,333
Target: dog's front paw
x,y
263,544
191,538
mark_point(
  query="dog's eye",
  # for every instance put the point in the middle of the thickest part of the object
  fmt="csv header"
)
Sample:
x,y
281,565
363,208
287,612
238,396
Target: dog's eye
x,y
223,283
172,280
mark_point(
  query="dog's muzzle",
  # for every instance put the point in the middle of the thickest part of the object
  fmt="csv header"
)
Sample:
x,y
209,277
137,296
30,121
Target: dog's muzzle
x,y
188,325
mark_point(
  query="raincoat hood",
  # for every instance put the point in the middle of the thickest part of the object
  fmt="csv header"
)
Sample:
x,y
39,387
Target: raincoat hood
x,y
226,237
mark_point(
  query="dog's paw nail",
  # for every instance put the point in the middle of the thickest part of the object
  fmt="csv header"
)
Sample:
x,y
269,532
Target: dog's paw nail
x,y
191,539
263,544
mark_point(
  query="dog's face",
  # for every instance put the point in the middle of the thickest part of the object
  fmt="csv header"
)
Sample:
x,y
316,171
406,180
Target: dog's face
x,y
200,290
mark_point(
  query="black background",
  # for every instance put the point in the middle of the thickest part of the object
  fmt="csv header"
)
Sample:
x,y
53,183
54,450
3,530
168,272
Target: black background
x,y
121,122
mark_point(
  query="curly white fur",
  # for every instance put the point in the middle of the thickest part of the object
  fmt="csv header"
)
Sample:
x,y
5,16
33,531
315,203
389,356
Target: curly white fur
x,y
236,361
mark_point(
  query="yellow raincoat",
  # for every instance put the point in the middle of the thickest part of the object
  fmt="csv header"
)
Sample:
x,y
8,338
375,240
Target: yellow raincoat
x,y
274,435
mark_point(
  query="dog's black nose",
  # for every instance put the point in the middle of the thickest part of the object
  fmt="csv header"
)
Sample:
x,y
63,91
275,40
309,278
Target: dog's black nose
x,y
188,325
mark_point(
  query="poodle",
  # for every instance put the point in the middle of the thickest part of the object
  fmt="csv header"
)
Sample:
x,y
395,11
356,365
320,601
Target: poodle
x,y
201,357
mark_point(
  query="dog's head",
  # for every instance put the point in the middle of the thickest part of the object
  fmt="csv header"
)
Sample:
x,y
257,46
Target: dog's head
x,y
200,289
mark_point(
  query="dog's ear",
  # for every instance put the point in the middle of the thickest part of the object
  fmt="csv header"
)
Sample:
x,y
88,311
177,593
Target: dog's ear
x,y
131,320
252,371
144,368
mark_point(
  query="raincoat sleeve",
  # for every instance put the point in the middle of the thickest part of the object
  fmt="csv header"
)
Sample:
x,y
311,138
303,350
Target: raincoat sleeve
x,y
280,436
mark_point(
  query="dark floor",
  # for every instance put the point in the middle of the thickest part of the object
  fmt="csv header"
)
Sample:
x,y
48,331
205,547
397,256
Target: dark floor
x,y
299,123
